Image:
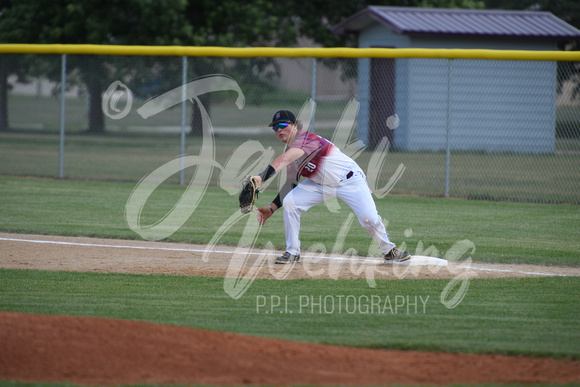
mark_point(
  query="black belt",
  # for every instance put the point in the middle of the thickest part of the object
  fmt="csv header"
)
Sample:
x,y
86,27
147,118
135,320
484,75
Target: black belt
x,y
349,175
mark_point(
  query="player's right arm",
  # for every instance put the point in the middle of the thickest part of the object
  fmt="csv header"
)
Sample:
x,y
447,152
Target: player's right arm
x,y
287,158
278,164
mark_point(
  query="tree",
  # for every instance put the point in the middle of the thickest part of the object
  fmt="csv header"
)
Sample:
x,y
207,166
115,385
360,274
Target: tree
x,y
115,22
10,29
318,17
233,23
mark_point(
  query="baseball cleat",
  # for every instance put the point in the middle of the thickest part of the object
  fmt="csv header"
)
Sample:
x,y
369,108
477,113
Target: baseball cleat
x,y
397,255
287,258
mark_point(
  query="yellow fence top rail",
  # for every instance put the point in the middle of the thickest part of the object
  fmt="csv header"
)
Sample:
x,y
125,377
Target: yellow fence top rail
x,y
338,52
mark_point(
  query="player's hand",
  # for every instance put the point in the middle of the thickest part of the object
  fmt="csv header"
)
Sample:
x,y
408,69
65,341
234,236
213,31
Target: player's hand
x,y
263,214
258,180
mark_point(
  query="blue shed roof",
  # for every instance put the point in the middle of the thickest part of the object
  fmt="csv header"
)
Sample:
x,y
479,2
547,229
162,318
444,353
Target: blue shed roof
x,y
443,21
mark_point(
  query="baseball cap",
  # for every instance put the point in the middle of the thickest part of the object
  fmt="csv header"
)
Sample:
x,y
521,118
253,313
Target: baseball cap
x,y
283,116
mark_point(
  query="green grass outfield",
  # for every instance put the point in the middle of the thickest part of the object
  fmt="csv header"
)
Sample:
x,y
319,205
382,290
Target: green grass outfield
x,y
502,232
528,316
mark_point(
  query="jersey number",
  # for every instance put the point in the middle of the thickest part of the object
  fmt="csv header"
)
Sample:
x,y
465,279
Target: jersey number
x,y
310,167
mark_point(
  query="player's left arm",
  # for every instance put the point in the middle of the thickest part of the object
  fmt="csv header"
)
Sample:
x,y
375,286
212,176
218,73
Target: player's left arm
x,y
265,212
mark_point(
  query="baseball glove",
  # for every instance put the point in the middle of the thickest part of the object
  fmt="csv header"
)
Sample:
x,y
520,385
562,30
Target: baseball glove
x,y
248,195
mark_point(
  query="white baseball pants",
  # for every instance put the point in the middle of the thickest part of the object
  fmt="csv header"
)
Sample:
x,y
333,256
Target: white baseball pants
x,y
354,192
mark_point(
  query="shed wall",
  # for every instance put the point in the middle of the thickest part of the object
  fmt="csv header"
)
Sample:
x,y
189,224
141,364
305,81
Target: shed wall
x,y
495,106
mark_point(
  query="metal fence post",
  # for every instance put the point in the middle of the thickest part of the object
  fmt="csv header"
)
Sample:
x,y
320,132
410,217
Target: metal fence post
x,y
183,120
448,139
62,111
313,91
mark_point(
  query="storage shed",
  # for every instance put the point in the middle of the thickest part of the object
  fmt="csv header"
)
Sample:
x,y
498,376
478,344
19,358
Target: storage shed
x,y
482,104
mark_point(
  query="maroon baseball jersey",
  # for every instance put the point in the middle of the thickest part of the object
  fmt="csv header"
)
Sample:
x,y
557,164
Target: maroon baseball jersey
x,y
323,162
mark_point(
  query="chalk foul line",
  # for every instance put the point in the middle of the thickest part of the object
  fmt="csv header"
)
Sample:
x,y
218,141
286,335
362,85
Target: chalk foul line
x,y
194,250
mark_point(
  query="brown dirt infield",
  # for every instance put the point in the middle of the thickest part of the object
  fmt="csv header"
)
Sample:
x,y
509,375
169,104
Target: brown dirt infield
x,y
100,351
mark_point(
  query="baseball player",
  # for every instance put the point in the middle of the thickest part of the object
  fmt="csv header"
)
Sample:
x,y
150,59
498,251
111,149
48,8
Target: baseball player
x,y
328,173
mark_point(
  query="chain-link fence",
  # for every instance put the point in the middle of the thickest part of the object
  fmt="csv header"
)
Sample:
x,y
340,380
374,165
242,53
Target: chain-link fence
x,y
469,128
